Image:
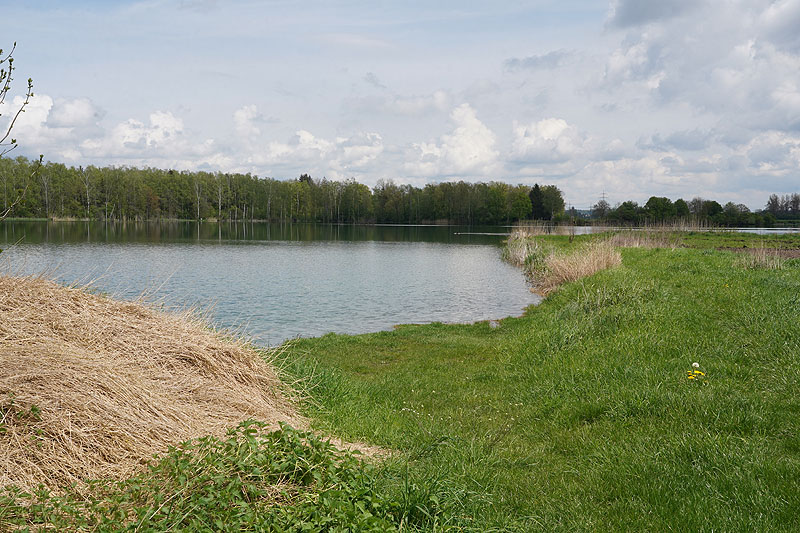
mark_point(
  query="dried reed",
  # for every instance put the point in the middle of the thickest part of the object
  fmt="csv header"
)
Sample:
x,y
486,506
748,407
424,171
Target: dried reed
x,y
645,238
761,258
560,268
91,387
519,248
531,228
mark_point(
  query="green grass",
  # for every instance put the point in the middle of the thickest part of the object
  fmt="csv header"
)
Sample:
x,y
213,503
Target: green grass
x,y
579,415
730,239
251,480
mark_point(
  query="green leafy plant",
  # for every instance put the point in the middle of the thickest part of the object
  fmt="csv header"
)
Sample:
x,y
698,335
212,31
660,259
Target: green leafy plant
x,y
250,480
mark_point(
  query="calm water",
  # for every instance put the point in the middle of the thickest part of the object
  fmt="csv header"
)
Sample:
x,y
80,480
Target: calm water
x,y
279,282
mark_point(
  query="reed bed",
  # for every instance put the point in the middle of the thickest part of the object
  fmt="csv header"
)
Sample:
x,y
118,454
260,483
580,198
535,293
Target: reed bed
x,y
520,248
559,268
645,238
532,228
761,259
91,387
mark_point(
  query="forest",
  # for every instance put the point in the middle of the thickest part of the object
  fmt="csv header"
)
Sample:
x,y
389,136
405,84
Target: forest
x,y
58,191
54,190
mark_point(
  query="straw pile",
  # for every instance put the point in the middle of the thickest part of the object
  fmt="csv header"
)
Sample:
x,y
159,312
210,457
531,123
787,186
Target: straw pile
x,y
91,387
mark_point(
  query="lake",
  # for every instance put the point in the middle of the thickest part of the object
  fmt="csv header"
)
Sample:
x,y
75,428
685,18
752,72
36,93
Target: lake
x,y
275,282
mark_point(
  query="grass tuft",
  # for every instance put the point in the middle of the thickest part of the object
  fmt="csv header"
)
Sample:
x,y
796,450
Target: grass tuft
x,y
760,259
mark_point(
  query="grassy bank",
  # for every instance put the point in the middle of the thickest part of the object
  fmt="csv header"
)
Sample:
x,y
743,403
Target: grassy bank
x,y
580,415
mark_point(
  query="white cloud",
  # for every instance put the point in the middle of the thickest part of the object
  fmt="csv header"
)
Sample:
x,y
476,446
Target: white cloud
x,y
163,135
52,126
244,120
304,152
80,112
639,61
417,104
549,60
550,140
780,22
775,153
468,151
358,152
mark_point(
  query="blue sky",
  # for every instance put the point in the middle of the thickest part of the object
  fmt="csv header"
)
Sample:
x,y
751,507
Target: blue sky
x,y
679,98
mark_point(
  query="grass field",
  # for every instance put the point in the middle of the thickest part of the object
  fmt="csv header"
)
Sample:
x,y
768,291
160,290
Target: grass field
x,y
580,414
585,414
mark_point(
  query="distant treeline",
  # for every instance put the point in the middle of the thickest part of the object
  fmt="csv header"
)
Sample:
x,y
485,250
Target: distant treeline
x,y
784,209
125,193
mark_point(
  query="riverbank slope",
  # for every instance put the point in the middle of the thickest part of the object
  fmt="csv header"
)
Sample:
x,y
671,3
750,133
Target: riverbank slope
x,y
588,413
92,387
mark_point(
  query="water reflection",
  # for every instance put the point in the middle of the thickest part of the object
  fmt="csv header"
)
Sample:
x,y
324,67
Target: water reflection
x,y
40,231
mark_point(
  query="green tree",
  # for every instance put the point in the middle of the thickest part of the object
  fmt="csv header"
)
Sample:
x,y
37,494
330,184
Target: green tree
x,y
681,208
660,209
519,203
628,212
601,210
552,202
711,208
774,204
537,206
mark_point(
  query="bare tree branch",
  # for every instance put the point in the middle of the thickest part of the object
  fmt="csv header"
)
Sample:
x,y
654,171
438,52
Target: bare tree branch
x,y
8,143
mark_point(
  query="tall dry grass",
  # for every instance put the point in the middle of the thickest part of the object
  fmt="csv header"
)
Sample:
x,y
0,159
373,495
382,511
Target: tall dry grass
x,y
645,238
519,248
761,259
91,387
532,228
559,268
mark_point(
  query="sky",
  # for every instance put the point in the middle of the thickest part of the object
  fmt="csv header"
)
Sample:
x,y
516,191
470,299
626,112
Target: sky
x,y
627,98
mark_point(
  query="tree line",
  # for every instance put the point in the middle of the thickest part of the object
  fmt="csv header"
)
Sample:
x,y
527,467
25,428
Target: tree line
x,y
659,209
128,193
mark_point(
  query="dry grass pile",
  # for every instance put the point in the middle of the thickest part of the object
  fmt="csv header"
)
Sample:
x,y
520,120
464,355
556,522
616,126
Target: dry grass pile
x,y
559,268
91,387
